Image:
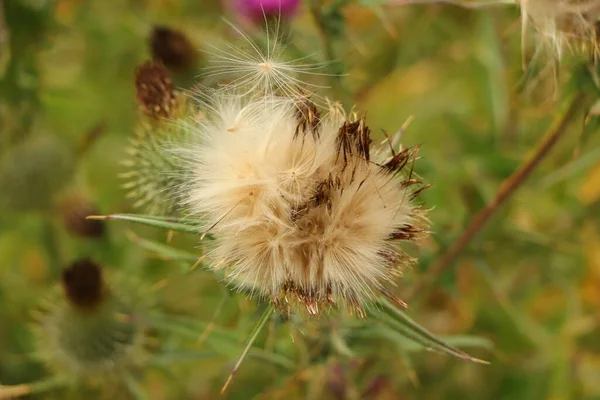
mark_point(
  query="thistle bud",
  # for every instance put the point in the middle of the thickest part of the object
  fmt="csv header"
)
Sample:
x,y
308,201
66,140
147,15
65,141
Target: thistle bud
x,y
83,284
155,90
73,211
92,329
172,48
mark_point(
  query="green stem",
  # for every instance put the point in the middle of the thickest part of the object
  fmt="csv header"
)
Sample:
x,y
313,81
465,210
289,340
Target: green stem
x,y
257,329
506,190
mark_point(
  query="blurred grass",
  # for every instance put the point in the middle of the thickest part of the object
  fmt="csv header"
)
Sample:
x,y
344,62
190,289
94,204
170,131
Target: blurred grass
x,y
529,282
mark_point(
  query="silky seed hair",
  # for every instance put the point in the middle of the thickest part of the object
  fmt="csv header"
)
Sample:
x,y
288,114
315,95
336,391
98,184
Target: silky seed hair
x,y
261,66
303,208
562,25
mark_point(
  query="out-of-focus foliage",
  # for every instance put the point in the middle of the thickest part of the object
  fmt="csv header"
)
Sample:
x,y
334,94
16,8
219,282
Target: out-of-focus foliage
x,y
529,282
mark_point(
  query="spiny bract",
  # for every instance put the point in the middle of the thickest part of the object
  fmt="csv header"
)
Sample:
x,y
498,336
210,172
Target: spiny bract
x,y
301,206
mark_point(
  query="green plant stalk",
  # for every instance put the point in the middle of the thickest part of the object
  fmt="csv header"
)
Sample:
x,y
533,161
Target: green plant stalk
x,y
257,329
507,189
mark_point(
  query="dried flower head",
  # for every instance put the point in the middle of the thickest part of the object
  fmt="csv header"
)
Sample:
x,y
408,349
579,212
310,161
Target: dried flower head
x,y
563,24
155,90
94,333
172,48
302,206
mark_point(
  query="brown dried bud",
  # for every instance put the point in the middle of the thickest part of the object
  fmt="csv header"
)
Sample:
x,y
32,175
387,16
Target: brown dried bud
x,y
83,284
155,90
73,211
172,48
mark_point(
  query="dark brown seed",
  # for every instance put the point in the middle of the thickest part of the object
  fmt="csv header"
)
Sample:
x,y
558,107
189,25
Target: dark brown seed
x,y
83,284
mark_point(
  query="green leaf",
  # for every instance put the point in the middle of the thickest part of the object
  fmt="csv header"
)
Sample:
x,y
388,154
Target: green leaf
x,y
168,223
402,324
167,251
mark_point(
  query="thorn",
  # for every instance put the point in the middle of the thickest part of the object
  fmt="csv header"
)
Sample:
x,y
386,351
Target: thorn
x,y
198,261
98,217
394,298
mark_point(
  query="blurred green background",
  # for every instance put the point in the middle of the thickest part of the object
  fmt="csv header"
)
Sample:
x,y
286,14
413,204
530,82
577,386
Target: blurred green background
x,y
529,282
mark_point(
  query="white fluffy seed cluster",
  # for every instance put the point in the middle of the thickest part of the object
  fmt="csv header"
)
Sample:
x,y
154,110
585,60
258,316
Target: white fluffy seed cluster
x,y
302,209
563,24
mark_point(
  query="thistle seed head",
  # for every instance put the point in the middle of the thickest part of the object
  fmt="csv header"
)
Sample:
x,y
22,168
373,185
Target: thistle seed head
x,y
262,67
303,207
563,24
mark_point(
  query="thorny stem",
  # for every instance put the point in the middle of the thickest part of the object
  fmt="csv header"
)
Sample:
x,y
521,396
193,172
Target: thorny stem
x,y
14,391
508,187
257,329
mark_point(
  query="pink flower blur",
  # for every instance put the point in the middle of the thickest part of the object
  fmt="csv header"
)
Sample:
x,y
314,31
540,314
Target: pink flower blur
x,y
256,10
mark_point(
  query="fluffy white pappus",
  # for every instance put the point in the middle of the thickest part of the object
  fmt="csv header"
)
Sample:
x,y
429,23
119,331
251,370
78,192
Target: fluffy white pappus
x,y
260,66
562,24
299,210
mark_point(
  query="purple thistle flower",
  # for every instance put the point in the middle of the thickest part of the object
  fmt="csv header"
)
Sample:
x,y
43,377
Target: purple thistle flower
x,y
256,10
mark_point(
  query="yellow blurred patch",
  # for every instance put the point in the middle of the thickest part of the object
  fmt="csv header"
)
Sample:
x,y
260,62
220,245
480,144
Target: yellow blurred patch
x,y
65,10
589,191
590,288
547,303
358,17
36,265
